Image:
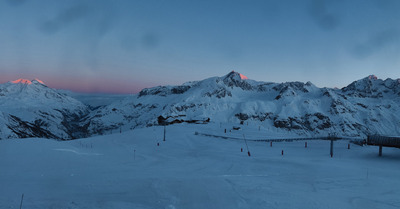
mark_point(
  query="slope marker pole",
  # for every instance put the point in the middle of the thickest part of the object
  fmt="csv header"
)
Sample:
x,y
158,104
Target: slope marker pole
x,y
245,141
164,133
22,199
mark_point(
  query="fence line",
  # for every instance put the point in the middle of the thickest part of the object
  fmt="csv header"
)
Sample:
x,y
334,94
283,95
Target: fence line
x,y
385,141
279,139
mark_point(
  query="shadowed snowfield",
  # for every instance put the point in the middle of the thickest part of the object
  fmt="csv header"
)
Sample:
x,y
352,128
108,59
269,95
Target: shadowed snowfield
x,y
193,171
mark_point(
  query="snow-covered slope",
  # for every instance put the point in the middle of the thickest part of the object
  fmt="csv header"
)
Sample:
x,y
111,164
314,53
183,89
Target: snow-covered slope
x,y
31,109
366,106
129,170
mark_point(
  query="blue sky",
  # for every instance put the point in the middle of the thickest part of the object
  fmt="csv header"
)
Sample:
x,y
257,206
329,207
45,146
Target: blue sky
x,y
123,46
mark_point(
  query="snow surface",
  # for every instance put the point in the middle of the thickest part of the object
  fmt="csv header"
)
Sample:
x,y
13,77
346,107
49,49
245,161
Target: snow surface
x,y
129,170
365,107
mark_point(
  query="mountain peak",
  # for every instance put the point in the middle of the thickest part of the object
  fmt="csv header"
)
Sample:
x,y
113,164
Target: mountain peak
x,y
366,80
235,79
23,81
372,77
38,81
28,82
236,76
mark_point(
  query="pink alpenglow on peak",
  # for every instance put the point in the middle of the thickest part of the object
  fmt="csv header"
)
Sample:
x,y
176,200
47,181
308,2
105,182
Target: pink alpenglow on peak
x,y
243,77
373,77
24,81
39,81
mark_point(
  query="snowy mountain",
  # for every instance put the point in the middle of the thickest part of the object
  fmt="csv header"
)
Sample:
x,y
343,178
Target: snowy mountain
x,y
31,109
366,106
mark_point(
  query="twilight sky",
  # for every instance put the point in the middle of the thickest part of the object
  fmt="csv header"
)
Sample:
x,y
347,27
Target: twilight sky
x,y
122,46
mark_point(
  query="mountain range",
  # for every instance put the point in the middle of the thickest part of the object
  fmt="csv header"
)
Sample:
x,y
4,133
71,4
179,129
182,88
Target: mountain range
x,y
366,106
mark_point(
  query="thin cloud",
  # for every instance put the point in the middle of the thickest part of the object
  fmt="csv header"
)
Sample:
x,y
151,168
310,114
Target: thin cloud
x,y
64,18
150,40
16,2
319,13
376,43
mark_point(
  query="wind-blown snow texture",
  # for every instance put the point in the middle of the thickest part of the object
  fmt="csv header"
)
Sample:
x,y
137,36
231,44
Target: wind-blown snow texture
x,y
366,106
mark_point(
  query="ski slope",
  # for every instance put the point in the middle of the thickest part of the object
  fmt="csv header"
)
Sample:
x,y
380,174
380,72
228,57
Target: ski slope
x,y
128,170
